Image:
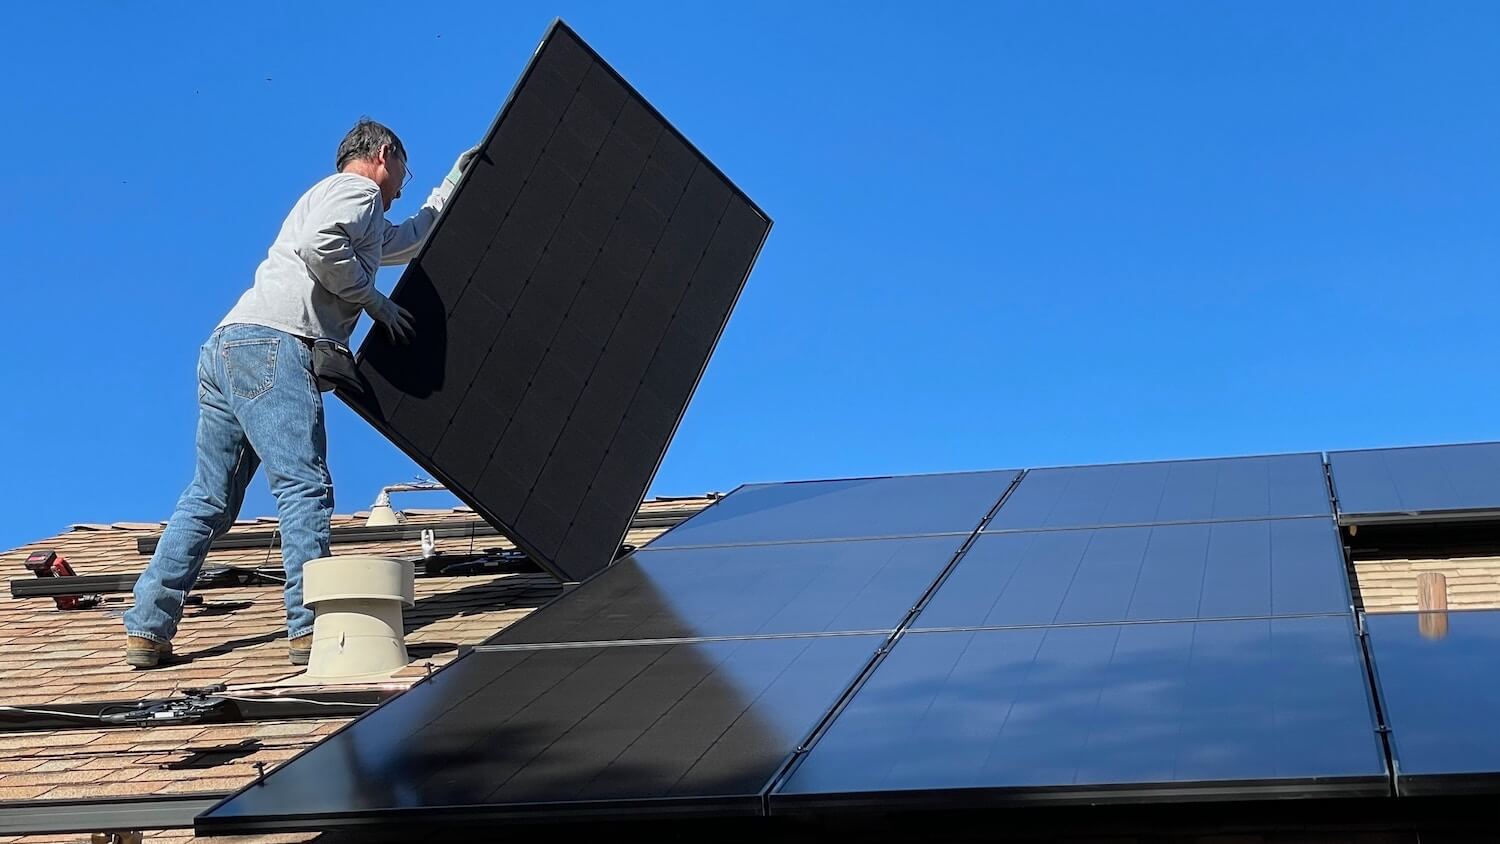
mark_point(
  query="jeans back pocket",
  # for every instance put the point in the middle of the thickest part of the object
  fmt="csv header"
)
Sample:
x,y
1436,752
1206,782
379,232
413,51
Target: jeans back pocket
x,y
251,365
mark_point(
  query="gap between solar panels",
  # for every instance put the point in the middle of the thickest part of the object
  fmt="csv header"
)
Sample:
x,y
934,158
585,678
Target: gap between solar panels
x,y
566,305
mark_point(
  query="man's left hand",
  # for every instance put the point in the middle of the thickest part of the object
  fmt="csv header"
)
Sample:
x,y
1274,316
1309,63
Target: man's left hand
x,y
462,164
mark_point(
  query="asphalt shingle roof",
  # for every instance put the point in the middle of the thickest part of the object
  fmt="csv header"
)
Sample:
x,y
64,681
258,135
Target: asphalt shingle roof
x,y
237,636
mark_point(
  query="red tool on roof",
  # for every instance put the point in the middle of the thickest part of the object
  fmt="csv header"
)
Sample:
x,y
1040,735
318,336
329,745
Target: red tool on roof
x,y
50,564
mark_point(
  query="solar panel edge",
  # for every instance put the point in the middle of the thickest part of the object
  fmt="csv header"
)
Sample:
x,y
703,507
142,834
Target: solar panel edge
x,y
562,26
1172,460
794,804
1417,447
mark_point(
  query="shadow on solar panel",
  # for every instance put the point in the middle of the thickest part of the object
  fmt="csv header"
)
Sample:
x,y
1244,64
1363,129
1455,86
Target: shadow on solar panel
x,y
566,305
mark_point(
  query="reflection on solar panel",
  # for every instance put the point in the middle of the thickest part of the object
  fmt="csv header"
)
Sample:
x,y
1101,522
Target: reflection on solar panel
x,y
1101,712
912,505
799,588
1442,698
1148,573
613,731
1273,487
1426,483
565,305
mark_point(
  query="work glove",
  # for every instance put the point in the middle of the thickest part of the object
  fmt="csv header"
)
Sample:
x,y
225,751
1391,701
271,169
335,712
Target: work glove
x,y
395,319
462,164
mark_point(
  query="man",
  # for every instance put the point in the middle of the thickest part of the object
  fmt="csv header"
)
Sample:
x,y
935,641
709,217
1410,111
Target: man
x,y
258,400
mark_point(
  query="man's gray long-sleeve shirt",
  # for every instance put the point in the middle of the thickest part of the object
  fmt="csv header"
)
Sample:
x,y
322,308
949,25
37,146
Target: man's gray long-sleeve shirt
x,y
320,271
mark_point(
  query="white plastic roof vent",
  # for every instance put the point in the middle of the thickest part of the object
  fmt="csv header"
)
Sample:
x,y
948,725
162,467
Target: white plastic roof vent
x,y
357,627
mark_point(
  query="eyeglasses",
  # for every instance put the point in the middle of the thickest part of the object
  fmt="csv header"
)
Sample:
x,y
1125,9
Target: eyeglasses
x,y
405,180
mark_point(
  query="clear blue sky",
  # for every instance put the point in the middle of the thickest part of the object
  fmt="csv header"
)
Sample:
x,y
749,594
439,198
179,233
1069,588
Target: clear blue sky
x,y
1007,235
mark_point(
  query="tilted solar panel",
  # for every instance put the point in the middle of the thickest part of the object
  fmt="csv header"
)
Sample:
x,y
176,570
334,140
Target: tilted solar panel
x,y
565,305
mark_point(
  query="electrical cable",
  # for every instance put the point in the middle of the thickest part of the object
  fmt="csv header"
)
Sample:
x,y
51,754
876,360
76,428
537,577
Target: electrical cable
x,y
294,700
54,712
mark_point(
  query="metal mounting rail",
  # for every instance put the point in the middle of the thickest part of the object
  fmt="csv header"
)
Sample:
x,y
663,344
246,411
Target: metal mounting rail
x,y
209,705
466,528
50,817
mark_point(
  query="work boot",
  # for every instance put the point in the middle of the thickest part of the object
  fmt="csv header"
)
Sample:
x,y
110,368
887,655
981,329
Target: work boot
x,y
145,653
300,649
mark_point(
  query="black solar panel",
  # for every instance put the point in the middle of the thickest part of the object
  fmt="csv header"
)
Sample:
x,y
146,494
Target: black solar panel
x,y
794,588
1277,486
1237,709
565,732
1442,698
909,505
1423,483
566,304
1150,573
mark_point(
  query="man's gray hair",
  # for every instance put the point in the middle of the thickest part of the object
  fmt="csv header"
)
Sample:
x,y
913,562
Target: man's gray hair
x,y
365,141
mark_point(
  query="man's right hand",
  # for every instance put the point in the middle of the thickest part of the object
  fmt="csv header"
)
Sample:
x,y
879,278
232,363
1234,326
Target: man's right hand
x,y
395,319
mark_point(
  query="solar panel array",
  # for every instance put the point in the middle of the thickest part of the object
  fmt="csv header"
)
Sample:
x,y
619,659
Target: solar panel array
x,y
1127,632
565,305
836,645
681,680
1134,633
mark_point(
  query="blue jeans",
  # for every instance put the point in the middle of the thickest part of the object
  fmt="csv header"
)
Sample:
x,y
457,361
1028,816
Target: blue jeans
x,y
258,402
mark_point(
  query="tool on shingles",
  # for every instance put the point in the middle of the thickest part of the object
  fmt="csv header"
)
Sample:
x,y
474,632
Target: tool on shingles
x,y
51,564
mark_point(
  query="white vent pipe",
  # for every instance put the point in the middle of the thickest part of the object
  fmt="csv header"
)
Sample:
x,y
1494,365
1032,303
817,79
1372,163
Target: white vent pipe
x,y
357,627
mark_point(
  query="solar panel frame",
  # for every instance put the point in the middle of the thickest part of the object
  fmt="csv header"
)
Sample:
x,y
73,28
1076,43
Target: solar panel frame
x,y
605,460
1380,485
